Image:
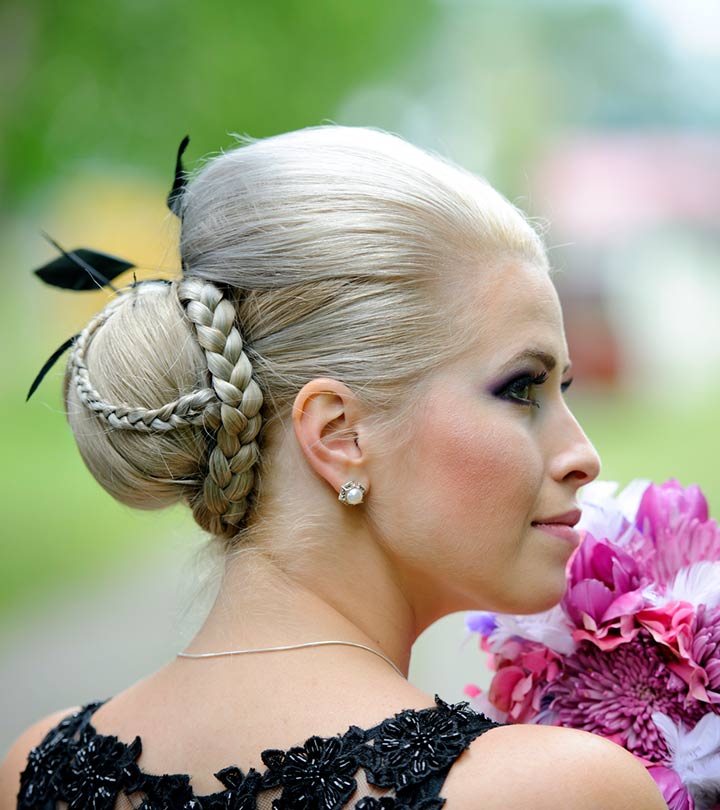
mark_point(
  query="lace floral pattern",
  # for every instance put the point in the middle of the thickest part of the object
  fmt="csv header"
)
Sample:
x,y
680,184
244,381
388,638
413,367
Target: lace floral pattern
x,y
40,780
407,755
97,771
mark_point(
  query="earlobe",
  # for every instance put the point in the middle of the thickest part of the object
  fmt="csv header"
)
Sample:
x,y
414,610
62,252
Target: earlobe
x,y
327,424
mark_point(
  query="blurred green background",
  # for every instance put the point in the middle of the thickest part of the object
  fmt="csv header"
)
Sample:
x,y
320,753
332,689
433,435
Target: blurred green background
x,y
597,116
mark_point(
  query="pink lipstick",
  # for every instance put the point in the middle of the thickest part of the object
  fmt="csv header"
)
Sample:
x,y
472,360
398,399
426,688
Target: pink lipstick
x,y
561,526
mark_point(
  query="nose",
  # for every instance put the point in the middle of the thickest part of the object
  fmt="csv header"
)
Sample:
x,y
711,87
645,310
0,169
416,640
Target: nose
x,y
575,458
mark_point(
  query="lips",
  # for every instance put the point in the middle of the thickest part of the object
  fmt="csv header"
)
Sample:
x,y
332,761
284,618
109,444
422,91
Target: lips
x,y
566,519
561,526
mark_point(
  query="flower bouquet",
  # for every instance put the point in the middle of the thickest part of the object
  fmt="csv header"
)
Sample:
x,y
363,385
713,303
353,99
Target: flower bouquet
x,y
632,652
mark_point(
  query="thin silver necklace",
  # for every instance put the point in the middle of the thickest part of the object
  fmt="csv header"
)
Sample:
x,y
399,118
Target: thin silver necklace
x,y
292,647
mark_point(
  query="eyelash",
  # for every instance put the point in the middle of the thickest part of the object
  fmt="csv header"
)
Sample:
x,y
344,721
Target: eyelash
x,y
525,381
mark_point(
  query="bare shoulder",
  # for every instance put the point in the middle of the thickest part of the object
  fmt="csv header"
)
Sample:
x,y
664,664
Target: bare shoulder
x,y
546,767
15,761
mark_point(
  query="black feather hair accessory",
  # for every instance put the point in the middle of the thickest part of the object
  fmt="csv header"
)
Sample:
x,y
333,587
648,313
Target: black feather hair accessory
x,y
84,269
79,270
174,198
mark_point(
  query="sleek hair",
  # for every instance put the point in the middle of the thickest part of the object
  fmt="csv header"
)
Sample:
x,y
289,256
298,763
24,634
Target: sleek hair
x,y
324,252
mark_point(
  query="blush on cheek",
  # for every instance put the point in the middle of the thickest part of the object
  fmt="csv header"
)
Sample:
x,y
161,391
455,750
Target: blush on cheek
x,y
478,479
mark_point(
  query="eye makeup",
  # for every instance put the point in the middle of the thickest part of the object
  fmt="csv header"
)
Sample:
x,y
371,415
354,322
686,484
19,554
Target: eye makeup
x,y
513,388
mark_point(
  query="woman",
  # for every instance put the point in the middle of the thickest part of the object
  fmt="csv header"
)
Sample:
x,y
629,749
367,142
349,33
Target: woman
x,y
357,386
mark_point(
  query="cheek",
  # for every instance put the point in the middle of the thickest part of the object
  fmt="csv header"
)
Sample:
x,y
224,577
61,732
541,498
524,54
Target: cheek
x,y
472,476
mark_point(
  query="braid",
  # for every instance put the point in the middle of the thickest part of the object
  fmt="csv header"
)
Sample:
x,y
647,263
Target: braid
x,y
189,409
223,501
229,410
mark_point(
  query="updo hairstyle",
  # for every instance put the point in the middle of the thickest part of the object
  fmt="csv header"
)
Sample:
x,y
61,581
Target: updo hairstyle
x,y
317,253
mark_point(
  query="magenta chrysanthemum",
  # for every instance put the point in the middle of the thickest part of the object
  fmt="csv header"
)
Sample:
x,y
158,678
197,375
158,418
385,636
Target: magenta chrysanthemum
x,y
705,649
615,693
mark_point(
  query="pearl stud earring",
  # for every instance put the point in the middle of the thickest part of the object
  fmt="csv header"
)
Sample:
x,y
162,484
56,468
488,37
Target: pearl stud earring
x,y
352,493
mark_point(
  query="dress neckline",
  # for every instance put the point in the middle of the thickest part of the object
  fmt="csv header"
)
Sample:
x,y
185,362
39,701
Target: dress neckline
x,y
408,754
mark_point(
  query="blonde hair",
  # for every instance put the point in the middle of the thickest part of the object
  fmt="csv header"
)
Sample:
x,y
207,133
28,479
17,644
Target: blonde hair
x,y
317,253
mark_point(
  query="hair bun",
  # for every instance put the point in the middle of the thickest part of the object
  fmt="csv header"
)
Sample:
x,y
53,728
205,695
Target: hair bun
x,y
169,361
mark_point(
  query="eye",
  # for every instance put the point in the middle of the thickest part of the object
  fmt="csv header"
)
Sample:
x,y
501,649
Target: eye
x,y
518,390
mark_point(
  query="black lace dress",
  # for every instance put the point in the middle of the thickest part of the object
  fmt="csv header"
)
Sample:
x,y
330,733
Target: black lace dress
x,y
398,764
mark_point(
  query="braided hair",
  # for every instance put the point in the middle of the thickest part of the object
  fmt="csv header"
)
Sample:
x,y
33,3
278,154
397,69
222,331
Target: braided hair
x,y
222,504
226,411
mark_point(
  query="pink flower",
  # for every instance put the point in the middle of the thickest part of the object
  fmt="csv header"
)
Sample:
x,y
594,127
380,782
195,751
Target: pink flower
x,y
670,625
701,667
676,795
614,694
675,531
665,504
524,669
632,652
604,592
481,704
680,545
694,637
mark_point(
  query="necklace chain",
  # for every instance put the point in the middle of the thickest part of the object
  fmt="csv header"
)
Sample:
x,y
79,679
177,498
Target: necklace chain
x,y
292,647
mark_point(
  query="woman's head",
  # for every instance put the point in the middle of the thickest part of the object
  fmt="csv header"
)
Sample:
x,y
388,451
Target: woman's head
x,y
348,255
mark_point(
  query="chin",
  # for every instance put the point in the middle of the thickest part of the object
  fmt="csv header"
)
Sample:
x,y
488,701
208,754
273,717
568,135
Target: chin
x,y
540,606
536,600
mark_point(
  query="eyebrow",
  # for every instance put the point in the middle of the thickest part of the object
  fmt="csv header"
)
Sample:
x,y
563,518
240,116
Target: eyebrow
x,y
534,354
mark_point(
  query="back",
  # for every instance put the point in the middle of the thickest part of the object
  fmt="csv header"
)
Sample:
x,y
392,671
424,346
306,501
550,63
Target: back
x,y
405,761
400,762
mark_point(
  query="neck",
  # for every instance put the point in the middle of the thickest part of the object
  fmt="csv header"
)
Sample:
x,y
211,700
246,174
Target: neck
x,y
262,603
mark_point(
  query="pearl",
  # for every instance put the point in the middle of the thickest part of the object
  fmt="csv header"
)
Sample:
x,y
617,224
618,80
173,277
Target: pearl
x,y
352,493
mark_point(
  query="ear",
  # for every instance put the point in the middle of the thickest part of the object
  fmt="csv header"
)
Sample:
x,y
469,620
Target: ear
x,y
327,422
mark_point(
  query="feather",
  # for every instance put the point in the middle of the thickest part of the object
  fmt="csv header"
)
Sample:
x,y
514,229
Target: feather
x,y
179,181
551,628
695,754
49,363
697,584
81,269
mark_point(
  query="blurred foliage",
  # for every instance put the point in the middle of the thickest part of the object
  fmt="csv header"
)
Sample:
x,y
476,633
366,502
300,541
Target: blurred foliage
x,y
503,79
127,80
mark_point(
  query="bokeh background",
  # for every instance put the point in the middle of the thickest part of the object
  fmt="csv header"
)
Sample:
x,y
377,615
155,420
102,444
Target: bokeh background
x,y
599,117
